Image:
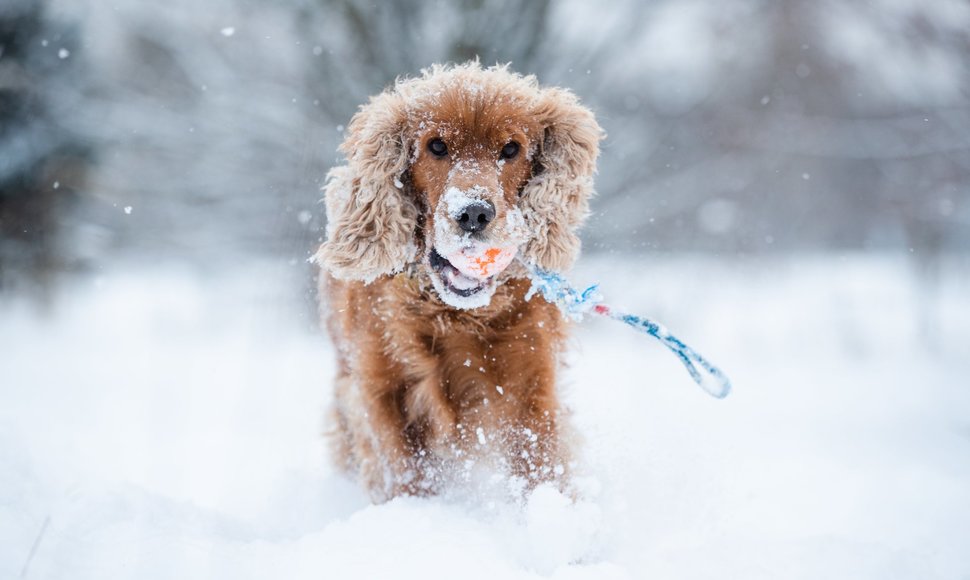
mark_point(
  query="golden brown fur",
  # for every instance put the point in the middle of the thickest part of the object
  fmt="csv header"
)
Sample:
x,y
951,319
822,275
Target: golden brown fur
x,y
426,389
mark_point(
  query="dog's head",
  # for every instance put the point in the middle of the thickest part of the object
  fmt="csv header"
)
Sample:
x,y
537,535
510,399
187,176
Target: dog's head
x,y
460,171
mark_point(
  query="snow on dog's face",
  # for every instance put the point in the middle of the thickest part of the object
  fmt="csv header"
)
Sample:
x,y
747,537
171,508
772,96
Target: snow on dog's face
x,y
458,171
472,157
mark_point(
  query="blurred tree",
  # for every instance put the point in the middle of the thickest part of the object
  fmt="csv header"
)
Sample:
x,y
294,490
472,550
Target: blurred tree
x,y
763,126
734,125
41,162
362,45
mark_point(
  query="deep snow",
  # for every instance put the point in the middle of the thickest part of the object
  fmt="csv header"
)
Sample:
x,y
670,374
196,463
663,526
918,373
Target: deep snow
x,y
162,424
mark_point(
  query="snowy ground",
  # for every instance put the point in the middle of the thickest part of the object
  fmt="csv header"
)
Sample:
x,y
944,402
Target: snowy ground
x,y
159,424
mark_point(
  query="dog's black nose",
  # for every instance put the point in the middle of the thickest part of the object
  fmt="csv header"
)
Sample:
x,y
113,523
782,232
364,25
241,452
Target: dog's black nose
x,y
476,216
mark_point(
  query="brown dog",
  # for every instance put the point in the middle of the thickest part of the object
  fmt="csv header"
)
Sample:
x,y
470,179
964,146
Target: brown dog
x,y
443,365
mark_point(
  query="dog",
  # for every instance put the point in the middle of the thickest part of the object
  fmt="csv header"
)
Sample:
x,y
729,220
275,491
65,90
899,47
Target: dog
x,y
453,179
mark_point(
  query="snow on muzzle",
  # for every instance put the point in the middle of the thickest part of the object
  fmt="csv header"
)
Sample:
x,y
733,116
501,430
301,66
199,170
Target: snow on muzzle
x,y
477,253
468,259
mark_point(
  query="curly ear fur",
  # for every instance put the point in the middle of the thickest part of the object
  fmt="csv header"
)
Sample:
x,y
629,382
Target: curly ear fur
x,y
555,202
370,221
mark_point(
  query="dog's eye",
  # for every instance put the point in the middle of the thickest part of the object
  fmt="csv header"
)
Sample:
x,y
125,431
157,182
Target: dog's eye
x,y
510,150
438,147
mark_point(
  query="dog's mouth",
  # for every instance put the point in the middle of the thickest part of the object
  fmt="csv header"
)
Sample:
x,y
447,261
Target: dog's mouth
x,y
452,281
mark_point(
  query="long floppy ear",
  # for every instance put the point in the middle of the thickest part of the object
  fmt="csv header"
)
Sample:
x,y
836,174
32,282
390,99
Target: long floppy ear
x,y
370,220
555,202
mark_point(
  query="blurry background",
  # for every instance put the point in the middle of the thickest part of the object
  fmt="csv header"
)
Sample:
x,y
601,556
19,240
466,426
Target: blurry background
x,y
202,132
786,184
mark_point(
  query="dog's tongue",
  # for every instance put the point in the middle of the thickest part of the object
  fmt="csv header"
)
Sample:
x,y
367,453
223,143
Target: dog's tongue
x,y
481,261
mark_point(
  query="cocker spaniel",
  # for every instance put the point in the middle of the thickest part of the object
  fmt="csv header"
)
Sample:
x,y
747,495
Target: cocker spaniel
x,y
443,366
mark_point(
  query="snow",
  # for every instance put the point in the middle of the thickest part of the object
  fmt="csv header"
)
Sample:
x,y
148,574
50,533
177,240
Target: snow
x,y
454,200
162,423
476,258
448,239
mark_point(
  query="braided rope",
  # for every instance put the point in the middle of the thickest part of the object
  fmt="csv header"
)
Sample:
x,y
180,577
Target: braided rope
x,y
575,305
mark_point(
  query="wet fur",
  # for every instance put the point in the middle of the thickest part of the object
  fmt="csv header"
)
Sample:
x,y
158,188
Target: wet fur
x,y
423,387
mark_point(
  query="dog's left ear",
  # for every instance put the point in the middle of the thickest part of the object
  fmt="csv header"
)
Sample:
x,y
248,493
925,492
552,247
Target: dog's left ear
x,y
370,219
555,202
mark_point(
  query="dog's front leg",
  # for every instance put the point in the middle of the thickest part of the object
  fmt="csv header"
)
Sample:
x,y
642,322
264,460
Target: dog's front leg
x,y
387,463
537,454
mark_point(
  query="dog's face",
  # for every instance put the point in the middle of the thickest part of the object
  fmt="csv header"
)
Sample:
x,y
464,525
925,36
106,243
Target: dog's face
x,y
460,171
471,162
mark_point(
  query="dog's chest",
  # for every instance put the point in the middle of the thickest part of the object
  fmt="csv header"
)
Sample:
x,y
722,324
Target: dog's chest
x,y
479,365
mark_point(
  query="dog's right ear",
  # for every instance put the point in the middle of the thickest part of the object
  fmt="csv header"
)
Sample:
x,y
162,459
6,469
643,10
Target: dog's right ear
x,y
370,220
555,202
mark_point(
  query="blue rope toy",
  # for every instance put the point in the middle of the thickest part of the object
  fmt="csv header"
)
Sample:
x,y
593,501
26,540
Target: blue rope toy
x,y
575,305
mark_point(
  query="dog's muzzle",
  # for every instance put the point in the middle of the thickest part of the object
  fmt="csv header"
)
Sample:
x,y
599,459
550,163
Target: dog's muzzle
x,y
471,245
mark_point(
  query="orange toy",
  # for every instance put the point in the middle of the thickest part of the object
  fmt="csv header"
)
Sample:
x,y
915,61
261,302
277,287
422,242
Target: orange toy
x,y
482,262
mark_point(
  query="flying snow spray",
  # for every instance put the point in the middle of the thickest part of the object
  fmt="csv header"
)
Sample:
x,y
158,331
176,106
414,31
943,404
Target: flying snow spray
x,y
575,305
